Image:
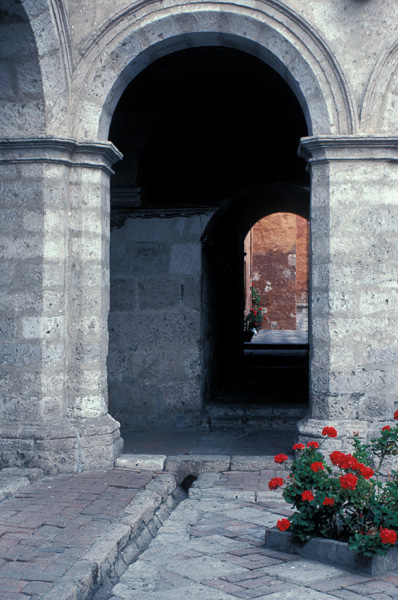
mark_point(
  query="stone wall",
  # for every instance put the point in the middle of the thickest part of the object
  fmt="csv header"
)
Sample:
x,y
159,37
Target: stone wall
x,y
277,264
154,323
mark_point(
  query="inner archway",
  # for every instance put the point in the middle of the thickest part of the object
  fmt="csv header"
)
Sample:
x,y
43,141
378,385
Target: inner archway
x,y
198,128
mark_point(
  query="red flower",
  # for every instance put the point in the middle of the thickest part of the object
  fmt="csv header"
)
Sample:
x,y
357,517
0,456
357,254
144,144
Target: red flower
x,y
298,447
283,524
317,466
328,502
386,428
396,415
307,495
366,472
348,461
349,481
255,324
336,457
388,536
275,483
281,458
312,445
330,431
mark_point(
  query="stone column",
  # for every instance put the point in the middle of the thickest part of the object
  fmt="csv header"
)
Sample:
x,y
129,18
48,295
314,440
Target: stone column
x,y
354,284
54,304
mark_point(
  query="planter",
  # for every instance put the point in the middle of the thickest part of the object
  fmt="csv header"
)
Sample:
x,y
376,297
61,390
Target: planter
x,y
333,553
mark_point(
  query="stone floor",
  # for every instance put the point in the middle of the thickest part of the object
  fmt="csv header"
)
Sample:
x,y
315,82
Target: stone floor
x,y
212,548
205,441
130,534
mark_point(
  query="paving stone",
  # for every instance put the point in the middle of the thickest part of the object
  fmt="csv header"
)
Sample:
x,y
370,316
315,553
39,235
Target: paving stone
x,y
146,462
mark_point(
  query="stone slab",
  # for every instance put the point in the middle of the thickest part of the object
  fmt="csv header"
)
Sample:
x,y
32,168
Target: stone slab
x,y
144,462
253,463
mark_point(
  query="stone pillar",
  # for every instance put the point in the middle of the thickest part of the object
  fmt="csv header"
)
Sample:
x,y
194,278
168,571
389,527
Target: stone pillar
x,y
354,284
54,299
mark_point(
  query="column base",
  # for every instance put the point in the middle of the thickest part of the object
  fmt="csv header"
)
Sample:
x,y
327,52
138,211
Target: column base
x,y
64,446
311,429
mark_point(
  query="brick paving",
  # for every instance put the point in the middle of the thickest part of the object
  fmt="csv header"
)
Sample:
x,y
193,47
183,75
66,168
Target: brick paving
x,y
47,528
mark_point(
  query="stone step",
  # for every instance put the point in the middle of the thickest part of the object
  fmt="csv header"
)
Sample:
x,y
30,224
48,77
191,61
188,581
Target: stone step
x,y
283,418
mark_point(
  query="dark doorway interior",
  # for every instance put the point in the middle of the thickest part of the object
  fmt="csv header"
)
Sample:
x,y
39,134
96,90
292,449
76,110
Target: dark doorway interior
x,y
211,132
251,381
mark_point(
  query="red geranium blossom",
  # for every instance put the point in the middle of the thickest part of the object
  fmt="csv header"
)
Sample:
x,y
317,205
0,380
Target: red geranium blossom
x,y
283,524
388,536
348,481
281,458
275,483
336,457
330,431
307,495
298,447
312,445
366,472
317,466
396,415
348,461
328,502
386,428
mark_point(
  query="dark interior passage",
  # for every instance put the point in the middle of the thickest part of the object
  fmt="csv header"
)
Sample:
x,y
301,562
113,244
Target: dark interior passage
x,y
209,137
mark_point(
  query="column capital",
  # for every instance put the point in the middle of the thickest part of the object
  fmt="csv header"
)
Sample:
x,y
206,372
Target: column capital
x,y
328,148
69,152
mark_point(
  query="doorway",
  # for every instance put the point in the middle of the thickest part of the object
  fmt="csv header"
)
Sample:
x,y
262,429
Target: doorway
x,y
201,130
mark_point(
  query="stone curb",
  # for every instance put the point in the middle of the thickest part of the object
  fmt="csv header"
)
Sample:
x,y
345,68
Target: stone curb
x,y
144,462
121,543
332,552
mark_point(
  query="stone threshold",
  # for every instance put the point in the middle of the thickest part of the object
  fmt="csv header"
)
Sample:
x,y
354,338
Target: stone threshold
x,y
196,464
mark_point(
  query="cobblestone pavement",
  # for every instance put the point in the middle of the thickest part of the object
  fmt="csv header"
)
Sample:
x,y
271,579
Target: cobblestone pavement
x,y
212,548
47,529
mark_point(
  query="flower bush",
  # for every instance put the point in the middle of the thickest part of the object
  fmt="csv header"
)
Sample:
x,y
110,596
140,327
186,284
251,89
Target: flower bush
x,y
343,497
255,317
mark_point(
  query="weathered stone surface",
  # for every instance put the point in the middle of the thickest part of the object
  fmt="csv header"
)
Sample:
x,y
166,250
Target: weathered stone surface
x,y
145,462
195,465
61,78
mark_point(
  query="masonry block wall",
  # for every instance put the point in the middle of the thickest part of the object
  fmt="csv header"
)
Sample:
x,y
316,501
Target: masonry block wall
x,y
154,322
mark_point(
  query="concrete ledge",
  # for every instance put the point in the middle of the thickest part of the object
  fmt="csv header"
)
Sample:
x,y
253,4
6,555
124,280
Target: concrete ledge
x,y
144,462
332,552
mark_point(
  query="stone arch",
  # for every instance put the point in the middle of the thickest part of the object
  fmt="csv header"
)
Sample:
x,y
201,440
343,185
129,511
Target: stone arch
x,y
222,260
272,32
53,47
22,106
379,114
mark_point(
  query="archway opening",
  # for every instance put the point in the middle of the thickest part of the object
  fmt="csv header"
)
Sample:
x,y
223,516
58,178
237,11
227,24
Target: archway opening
x,y
276,279
205,132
